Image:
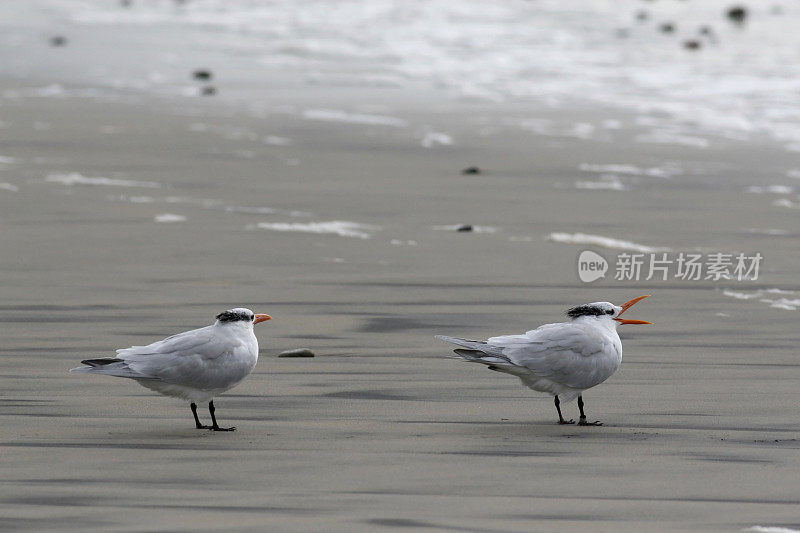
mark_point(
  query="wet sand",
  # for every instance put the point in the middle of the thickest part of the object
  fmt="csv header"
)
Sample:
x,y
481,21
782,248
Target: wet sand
x,y
380,431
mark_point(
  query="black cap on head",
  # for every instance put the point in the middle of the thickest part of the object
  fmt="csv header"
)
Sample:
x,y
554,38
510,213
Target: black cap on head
x,y
590,310
235,315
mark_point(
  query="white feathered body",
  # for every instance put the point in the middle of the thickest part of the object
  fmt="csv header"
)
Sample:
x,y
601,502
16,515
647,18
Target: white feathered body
x,y
195,365
562,359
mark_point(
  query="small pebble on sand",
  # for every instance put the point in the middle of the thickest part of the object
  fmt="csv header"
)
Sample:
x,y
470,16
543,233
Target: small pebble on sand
x,y
737,14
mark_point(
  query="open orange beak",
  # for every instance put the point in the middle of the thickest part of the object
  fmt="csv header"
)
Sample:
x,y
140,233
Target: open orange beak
x,y
261,318
625,307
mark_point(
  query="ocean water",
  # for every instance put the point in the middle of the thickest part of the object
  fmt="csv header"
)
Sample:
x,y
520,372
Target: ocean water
x,y
739,82
546,67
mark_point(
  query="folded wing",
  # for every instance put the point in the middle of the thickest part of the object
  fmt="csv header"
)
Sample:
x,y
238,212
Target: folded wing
x,y
572,355
194,358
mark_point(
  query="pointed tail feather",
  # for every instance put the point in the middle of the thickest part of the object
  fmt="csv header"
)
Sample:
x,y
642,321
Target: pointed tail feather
x,y
101,362
92,364
484,353
479,346
109,367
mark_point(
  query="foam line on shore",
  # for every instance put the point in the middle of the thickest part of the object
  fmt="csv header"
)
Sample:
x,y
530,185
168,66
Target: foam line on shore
x,y
605,242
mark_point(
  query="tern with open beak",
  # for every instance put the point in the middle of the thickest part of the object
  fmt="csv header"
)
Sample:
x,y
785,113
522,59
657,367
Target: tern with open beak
x,y
563,359
195,365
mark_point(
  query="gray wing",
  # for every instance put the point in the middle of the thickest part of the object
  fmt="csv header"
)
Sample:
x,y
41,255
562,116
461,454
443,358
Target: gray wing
x,y
188,358
570,354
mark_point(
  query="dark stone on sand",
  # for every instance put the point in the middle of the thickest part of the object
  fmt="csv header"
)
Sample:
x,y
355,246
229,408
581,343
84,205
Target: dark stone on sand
x,y
58,40
208,90
642,14
705,30
667,27
299,352
126,3
202,74
737,14
471,170
464,228
691,44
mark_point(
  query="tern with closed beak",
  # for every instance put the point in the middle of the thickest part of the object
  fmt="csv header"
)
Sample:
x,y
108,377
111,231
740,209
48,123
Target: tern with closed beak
x,y
563,359
195,365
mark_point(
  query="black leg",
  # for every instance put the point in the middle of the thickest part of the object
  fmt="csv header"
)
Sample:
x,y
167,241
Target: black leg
x,y
582,421
561,418
197,423
215,426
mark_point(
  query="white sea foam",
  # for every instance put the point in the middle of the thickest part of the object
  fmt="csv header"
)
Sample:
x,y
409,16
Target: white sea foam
x,y
773,189
8,186
785,202
75,178
771,529
337,115
767,231
250,210
275,140
608,183
743,84
793,173
621,168
783,303
581,130
436,138
54,90
605,242
169,217
234,133
5,160
665,171
207,203
668,137
334,227
776,298
739,295
354,80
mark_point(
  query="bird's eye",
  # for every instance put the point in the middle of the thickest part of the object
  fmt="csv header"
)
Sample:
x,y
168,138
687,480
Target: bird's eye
x,y
610,312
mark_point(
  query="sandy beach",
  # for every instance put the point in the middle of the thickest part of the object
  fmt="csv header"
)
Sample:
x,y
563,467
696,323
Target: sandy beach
x,y
130,214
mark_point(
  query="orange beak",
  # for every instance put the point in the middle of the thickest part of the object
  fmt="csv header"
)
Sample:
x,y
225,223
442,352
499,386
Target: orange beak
x,y
625,307
261,318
